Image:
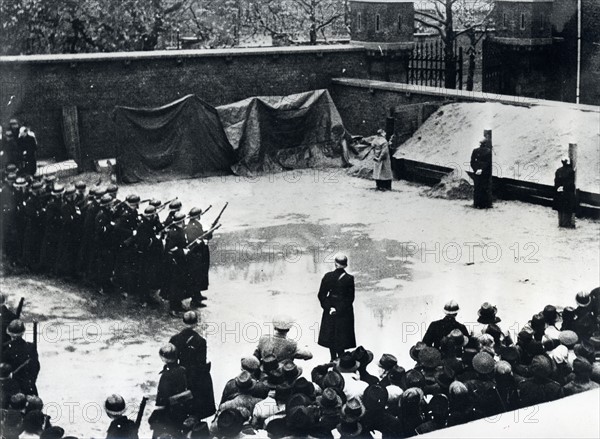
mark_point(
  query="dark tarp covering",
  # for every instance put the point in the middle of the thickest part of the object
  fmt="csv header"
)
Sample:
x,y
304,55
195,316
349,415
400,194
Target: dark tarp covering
x,y
180,140
275,133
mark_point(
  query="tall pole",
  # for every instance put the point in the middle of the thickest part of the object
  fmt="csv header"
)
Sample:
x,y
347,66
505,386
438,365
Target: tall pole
x,y
578,50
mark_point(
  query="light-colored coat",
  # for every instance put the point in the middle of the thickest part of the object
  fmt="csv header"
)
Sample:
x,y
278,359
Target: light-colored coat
x,y
382,168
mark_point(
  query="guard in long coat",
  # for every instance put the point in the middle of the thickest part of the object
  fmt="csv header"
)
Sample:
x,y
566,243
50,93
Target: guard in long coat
x,y
68,246
565,201
104,243
34,227
175,264
198,260
18,352
481,163
382,168
336,295
87,248
191,354
53,228
150,255
126,263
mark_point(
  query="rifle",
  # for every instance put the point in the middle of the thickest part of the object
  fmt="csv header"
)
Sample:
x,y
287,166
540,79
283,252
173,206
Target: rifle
x,y
161,207
199,238
206,210
35,334
20,307
140,414
220,213
25,363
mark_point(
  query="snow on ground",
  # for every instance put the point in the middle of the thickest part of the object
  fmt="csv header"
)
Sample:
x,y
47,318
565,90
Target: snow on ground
x,y
409,254
528,142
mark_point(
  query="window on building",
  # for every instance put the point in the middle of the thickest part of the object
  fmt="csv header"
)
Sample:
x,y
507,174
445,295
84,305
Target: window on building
x,y
522,21
359,21
377,22
505,20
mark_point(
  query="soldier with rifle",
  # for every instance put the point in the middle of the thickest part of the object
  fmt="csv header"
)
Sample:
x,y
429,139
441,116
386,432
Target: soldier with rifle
x,y
87,246
23,358
7,316
175,254
53,229
126,263
70,235
34,227
149,248
21,194
104,242
174,208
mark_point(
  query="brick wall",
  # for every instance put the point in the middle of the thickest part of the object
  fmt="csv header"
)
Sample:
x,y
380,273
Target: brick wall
x,y
36,88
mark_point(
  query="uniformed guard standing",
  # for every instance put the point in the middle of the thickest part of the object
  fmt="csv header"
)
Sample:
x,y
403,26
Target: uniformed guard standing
x,y
175,264
565,201
198,260
68,246
126,263
481,163
103,241
34,227
149,248
53,229
19,353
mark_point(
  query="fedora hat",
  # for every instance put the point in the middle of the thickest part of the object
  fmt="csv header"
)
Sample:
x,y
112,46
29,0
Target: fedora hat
x,y
430,358
329,399
487,313
458,338
414,351
283,392
375,397
291,371
353,408
300,418
387,361
397,376
509,353
244,381
275,377
333,379
451,308
550,314
230,422
302,385
415,378
347,363
362,355
349,427
269,362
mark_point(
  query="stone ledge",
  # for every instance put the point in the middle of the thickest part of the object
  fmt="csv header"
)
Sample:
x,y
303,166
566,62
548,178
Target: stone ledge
x,y
178,54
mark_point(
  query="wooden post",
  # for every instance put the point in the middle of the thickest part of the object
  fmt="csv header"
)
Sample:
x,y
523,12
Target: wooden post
x,y
573,159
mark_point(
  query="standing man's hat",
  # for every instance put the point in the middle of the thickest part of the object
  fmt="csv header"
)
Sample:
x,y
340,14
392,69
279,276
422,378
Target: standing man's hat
x,y
487,314
269,363
353,408
16,328
430,358
583,299
347,363
414,351
387,361
451,308
362,355
115,405
190,318
568,338
194,212
341,259
483,363
375,397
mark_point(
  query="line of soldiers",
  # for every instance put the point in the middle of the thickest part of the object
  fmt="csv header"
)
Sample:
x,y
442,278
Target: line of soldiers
x,y
73,233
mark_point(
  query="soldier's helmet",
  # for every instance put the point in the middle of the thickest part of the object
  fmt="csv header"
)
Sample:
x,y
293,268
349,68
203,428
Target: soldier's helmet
x,y
106,200
5,370
115,405
156,203
133,199
178,217
175,205
16,328
196,211
190,318
150,211
80,185
168,352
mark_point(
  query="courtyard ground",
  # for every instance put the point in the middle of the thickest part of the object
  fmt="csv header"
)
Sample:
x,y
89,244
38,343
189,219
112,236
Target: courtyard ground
x,y
409,254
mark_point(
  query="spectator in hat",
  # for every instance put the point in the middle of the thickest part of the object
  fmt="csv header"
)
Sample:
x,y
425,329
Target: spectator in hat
x,y
347,366
191,355
53,432
350,427
411,415
551,318
585,321
279,345
250,364
229,423
397,384
386,363
33,425
430,361
438,408
329,405
452,344
562,369
382,168
364,358
440,328
506,386
291,371
244,400
336,296
539,388
121,427
486,315
486,399
276,427
332,379
582,382
568,319
273,405
461,408
301,417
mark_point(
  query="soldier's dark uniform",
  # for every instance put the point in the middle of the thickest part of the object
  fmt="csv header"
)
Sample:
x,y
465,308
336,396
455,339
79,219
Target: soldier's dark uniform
x,y
87,248
198,260
122,428
175,265
104,243
68,247
481,159
191,349
565,201
150,255
126,263
34,229
52,231
9,218
16,353
21,195
27,144
169,416
6,316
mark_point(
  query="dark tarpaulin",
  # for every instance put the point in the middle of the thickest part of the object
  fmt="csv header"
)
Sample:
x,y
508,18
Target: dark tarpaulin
x,y
275,133
182,139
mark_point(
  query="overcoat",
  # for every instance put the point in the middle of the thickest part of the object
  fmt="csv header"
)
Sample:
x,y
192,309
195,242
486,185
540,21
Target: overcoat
x,y
337,291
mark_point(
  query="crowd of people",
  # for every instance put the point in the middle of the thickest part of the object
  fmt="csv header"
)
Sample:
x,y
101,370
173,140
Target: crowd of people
x,y
109,244
458,375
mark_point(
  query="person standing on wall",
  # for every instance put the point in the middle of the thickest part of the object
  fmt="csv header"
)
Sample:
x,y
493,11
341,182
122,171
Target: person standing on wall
x,y
481,163
382,168
336,296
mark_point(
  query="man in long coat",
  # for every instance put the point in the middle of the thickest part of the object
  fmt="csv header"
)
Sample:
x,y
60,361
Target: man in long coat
x,y
336,295
382,168
564,194
191,354
198,260
481,163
